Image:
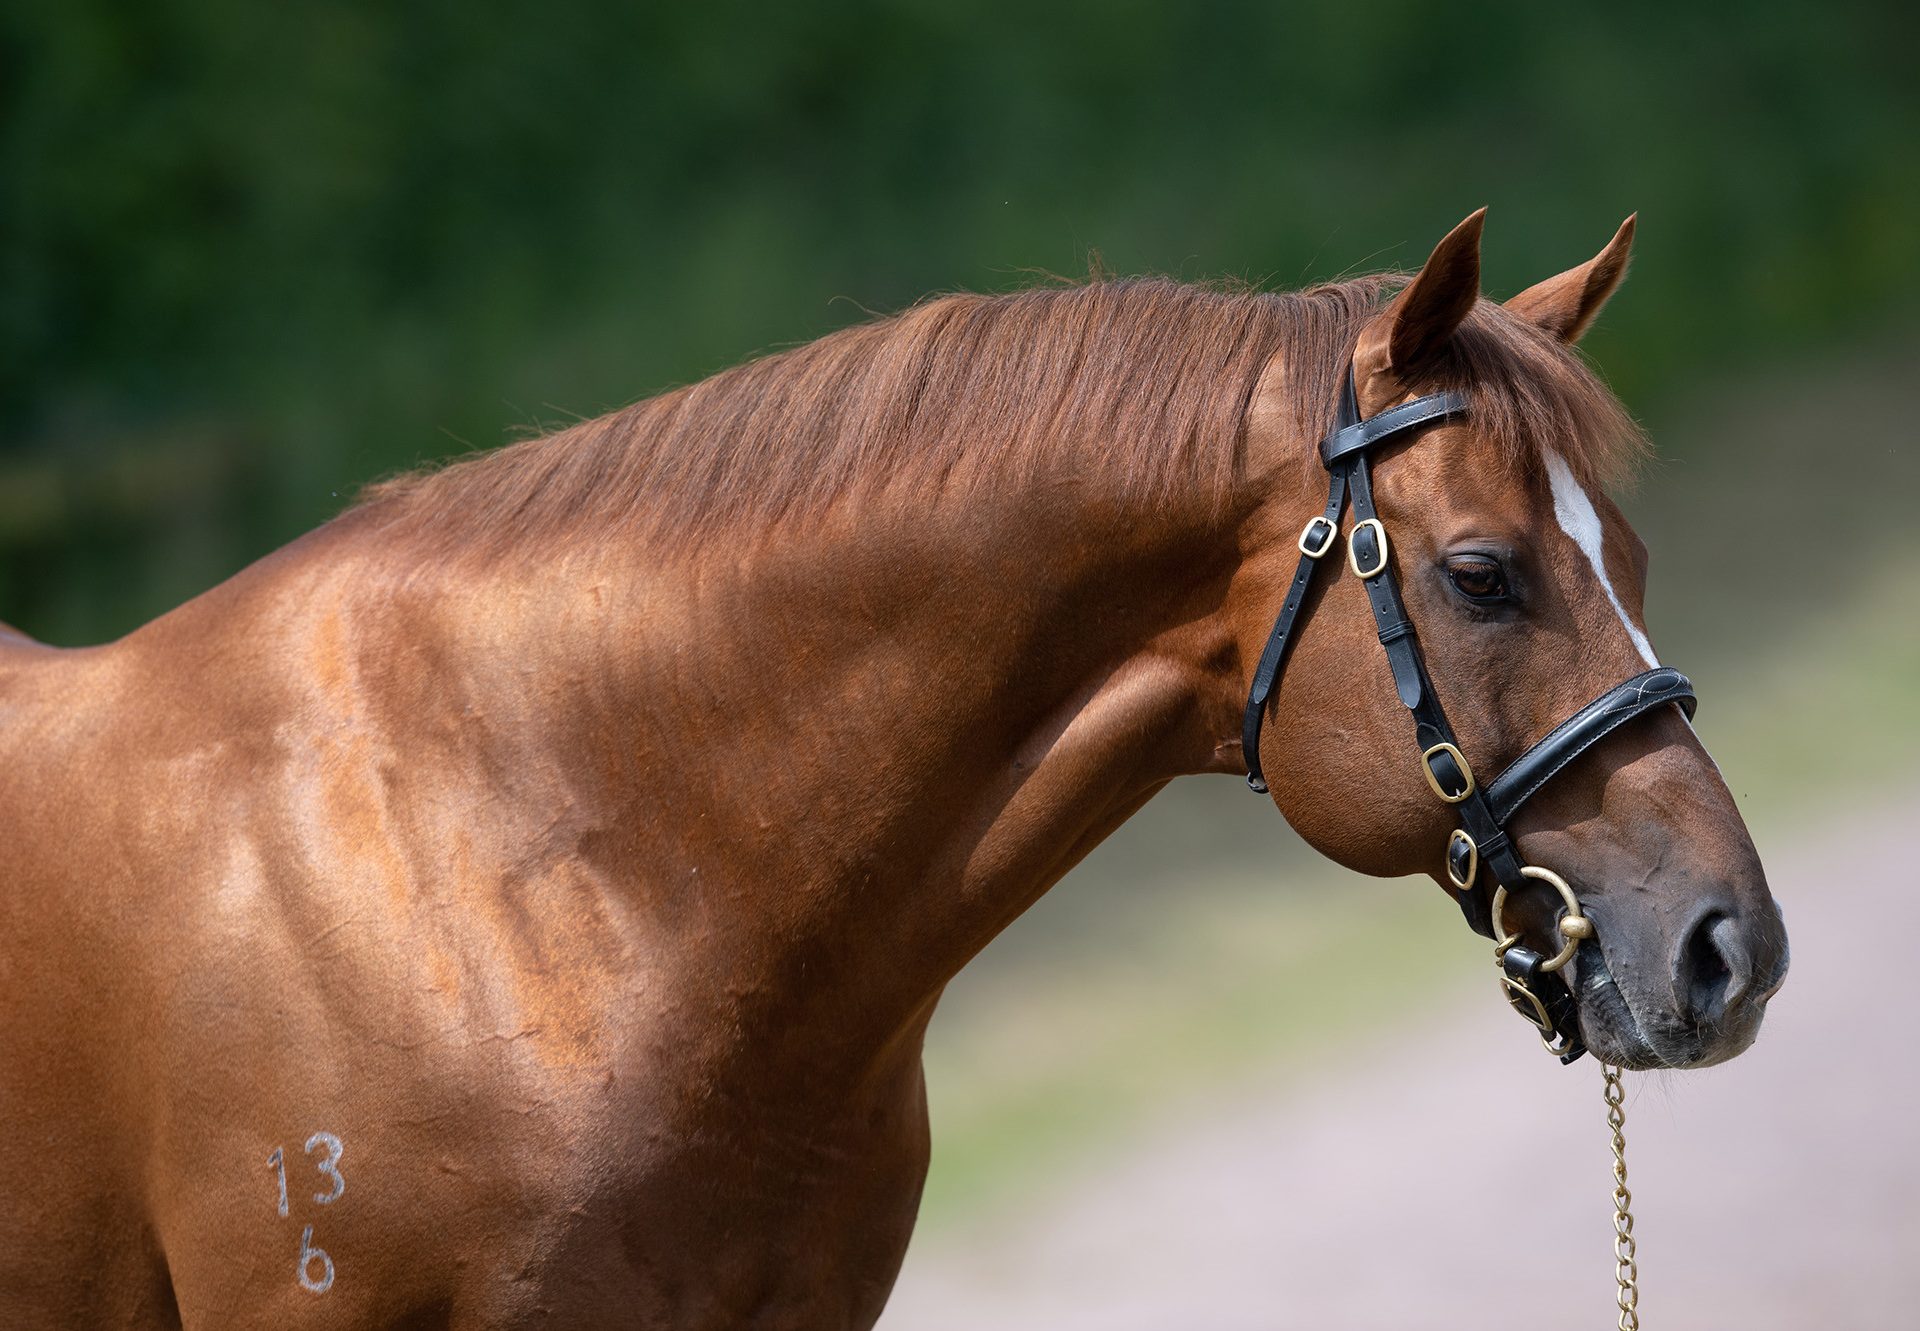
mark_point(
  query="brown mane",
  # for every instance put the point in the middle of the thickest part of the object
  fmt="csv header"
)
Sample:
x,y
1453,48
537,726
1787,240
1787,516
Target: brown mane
x,y
1147,378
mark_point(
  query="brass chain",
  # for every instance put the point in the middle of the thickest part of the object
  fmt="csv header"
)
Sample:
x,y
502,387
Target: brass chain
x,y
1626,1271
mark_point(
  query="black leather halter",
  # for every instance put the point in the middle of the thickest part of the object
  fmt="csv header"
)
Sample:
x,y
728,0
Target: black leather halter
x,y
1533,983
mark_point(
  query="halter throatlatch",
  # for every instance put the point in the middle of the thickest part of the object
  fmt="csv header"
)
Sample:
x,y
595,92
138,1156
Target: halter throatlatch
x,y
1479,847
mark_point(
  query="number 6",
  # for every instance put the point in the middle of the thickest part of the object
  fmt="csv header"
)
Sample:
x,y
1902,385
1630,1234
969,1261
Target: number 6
x,y
308,1255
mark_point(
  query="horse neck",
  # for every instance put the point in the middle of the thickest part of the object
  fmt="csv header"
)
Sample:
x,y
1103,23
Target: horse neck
x,y
852,749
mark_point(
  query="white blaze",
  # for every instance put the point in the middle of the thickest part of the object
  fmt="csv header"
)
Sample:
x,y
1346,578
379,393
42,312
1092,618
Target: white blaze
x,y
1577,519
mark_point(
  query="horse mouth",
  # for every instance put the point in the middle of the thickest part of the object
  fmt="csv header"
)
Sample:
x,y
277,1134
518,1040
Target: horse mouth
x,y
1616,1033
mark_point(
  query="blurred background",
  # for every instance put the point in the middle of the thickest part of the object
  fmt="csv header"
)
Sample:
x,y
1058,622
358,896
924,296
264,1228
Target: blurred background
x,y
254,256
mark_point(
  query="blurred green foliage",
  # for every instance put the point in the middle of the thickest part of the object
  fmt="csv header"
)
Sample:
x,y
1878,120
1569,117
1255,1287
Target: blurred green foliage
x,y
252,256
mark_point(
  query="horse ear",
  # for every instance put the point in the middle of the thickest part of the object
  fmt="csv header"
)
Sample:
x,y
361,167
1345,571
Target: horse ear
x,y
1566,305
1416,324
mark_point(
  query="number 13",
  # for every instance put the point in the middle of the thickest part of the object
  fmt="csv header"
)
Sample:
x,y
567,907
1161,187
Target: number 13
x,y
328,1165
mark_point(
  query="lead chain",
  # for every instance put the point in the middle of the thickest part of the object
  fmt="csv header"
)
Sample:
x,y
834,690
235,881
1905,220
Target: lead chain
x,y
1626,1272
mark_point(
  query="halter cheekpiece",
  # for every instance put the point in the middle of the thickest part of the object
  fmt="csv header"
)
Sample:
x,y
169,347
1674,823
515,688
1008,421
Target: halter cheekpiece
x,y
1533,983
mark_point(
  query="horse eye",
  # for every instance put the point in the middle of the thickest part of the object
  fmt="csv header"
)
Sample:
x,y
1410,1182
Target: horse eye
x,y
1477,578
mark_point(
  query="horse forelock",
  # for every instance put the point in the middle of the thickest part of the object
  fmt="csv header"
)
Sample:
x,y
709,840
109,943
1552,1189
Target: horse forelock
x,y
1141,383
1534,397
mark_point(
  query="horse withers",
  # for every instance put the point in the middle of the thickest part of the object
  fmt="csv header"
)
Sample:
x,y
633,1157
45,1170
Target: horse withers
x,y
520,901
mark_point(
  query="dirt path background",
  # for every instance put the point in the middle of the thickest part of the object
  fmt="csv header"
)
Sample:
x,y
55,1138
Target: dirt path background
x,y
1447,1174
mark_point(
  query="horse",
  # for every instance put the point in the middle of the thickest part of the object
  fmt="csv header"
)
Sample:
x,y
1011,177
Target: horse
x,y
520,901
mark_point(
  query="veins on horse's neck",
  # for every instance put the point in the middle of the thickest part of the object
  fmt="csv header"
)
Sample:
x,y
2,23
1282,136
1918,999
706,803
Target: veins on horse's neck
x,y
880,738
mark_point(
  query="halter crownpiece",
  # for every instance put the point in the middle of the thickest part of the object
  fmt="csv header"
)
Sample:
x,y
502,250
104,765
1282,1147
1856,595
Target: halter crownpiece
x,y
1532,983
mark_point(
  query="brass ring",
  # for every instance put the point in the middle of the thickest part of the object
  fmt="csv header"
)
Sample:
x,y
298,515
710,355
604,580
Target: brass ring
x,y
1559,1051
1572,926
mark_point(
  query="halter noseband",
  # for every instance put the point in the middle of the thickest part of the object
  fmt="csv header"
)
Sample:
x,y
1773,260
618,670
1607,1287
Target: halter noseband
x,y
1533,983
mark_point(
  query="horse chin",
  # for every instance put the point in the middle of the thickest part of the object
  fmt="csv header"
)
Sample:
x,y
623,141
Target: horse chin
x,y
1617,1030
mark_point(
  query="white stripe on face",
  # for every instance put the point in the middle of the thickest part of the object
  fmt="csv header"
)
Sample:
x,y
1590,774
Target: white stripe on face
x,y
1577,519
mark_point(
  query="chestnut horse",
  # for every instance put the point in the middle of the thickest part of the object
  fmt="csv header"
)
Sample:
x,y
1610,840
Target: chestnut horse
x,y
521,900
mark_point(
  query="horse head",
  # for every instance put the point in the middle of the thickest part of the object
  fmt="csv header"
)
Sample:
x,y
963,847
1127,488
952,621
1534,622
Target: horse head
x,y
1524,587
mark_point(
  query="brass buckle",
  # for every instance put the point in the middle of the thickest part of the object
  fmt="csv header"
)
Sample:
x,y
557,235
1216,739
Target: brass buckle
x,y
1572,926
1459,837
1326,543
1531,1008
1353,550
1460,760
1527,1003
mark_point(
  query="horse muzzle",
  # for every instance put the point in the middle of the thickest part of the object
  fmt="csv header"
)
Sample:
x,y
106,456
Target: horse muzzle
x,y
1689,1002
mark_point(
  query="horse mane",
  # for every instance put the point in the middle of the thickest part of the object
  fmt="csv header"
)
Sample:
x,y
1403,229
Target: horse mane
x,y
1147,380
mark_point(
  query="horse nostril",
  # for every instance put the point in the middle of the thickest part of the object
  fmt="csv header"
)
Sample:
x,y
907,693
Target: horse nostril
x,y
1710,970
